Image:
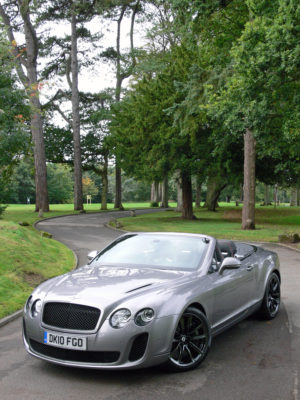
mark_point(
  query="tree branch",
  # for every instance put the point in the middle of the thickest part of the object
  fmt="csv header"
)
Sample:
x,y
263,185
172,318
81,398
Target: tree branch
x,y
29,30
59,110
20,60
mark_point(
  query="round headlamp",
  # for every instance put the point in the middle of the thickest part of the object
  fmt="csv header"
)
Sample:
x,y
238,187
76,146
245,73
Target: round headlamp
x,y
36,308
120,318
144,317
28,303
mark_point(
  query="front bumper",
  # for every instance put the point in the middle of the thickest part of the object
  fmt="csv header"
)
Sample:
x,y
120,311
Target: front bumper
x,y
127,348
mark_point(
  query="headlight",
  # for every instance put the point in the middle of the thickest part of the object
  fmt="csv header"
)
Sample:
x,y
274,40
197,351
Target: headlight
x,y
120,318
144,317
36,308
28,304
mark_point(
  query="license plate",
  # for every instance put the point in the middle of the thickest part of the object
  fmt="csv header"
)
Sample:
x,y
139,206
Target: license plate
x,y
65,341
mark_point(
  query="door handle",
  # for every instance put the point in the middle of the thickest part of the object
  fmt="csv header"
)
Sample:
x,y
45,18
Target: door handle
x,y
250,268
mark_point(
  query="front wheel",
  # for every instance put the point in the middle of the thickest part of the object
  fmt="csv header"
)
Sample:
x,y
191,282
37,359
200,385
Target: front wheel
x,y
191,341
271,301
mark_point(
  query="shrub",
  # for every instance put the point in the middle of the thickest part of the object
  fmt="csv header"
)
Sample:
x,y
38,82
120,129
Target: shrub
x,y
2,209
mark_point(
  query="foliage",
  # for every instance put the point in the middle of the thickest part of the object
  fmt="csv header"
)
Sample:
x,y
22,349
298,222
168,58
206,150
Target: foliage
x,y
14,114
88,186
60,184
262,89
2,209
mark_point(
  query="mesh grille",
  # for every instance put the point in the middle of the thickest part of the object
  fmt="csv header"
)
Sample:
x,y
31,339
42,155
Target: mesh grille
x,y
104,357
138,347
71,316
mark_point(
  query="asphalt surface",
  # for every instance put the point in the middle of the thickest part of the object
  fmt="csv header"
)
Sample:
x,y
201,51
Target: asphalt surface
x,y
254,360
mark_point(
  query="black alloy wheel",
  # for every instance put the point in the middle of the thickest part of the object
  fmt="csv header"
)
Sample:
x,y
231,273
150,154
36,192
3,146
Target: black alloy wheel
x,y
191,341
271,301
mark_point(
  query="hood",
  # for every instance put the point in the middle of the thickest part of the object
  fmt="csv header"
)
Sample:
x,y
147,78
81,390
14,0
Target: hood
x,y
106,284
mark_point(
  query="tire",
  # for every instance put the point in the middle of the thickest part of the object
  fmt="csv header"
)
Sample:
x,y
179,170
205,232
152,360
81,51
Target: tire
x,y
271,301
191,341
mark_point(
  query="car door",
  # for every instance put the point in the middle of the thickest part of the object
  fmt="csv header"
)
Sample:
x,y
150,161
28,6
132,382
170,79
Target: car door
x,y
231,291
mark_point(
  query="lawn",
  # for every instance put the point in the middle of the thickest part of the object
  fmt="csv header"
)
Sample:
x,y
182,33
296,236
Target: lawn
x,y
26,259
225,223
25,213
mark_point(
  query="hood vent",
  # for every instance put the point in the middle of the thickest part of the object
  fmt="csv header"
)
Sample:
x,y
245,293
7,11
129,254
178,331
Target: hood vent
x,y
138,288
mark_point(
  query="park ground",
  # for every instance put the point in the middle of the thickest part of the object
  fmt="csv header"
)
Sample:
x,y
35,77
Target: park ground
x,y
28,258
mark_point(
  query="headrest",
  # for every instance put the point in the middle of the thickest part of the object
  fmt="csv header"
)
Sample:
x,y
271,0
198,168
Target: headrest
x,y
227,246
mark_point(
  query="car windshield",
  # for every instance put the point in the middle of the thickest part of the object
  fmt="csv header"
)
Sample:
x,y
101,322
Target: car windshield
x,y
172,252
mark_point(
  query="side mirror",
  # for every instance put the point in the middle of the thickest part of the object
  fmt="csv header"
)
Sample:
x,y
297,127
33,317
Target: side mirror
x,y
92,255
229,263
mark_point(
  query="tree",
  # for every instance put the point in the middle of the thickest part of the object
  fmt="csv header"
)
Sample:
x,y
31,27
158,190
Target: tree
x,y
94,115
76,14
260,97
14,118
149,144
16,14
89,187
60,183
124,63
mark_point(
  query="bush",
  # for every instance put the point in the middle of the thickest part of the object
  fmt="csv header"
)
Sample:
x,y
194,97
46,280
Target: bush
x,y
2,209
154,204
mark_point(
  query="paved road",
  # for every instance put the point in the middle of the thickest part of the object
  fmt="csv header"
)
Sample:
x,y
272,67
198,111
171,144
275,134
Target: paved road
x,y
255,360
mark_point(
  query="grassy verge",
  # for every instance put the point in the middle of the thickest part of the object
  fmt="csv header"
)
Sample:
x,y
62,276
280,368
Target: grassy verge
x,y
225,223
26,259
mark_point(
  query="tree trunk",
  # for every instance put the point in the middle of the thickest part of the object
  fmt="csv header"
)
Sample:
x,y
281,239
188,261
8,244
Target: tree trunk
x,y
187,198
41,189
248,214
118,188
179,191
198,191
152,192
215,185
294,199
31,84
241,193
118,181
266,195
104,185
156,192
120,76
298,196
78,198
164,199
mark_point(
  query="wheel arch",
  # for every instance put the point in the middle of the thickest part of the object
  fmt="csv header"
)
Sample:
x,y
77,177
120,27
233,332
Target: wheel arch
x,y
198,306
275,271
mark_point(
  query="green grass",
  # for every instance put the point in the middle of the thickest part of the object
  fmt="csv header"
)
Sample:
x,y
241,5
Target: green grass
x,y
26,259
25,213
225,223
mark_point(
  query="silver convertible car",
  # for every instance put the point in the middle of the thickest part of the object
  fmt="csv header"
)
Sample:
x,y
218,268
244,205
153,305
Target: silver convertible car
x,y
149,299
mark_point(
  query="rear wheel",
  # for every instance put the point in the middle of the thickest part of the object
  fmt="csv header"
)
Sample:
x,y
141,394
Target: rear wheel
x,y
271,301
191,341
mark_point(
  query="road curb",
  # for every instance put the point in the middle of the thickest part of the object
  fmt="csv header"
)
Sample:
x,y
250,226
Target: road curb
x,y
10,318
